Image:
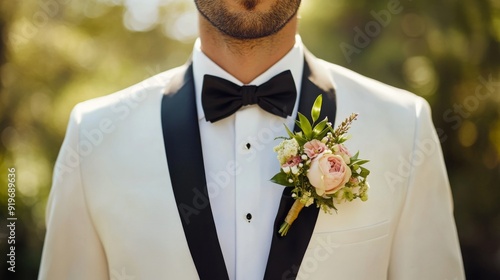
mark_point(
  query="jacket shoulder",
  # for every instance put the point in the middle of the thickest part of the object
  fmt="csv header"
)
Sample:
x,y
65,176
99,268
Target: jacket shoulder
x,y
366,92
123,102
370,88
386,114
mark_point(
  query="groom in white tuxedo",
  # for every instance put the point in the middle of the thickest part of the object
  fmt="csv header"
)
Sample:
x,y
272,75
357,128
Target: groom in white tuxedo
x,y
170,178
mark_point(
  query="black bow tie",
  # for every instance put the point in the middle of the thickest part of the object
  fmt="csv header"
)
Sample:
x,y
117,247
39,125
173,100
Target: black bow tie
x,y
221,98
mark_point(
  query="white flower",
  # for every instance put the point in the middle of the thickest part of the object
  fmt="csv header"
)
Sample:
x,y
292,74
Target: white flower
x,y
338,197
287,149
306,199
309,202
335,148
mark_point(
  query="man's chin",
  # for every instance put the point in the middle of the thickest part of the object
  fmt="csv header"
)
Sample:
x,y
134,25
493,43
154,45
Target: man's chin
x,y
249,5
248,37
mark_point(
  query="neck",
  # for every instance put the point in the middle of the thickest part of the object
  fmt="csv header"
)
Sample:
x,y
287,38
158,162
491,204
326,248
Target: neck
x,y
246,59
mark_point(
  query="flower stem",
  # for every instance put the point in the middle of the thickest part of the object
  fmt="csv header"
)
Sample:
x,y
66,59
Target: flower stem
x,y
290,217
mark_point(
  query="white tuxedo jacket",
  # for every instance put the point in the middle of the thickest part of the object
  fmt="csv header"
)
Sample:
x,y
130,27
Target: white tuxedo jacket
x,y
113,211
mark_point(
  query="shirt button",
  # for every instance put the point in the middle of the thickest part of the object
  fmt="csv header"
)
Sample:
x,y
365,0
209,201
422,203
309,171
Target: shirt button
x,y
249,217
248,146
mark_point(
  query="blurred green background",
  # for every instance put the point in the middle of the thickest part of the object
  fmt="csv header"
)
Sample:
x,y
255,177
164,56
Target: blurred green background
x,y
56,53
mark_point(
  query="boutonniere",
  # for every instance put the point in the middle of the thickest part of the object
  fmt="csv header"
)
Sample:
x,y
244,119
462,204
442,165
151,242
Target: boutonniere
x,y
317,165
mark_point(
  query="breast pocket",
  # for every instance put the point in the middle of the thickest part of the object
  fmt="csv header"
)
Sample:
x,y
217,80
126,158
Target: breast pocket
x,y
352,236
357,253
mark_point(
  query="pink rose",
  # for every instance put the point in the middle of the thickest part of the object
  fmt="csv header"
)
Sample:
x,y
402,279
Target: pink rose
x,y
328,173
314,148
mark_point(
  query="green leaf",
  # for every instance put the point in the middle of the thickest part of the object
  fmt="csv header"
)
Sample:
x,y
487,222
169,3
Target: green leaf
x,y
281,179
299,125
290,133
316,109
319,127
305,125
364,172
300,139
355,157
360,161
322,133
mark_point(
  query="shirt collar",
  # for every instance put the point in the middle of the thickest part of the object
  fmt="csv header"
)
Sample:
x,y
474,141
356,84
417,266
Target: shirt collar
x,y
202,65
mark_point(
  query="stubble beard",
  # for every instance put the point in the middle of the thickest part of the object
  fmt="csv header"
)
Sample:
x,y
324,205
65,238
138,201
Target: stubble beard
x,y
250,24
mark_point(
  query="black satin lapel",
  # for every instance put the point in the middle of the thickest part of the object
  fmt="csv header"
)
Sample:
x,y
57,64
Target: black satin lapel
x,y
181,135
287,252
316,81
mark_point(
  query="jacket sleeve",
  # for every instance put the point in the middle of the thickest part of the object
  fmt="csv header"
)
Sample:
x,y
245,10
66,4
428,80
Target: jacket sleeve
x,y
72,249
426,244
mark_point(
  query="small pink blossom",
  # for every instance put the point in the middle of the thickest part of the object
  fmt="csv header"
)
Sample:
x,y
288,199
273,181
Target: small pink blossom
x,y
292,164
342,151
314,148
293,161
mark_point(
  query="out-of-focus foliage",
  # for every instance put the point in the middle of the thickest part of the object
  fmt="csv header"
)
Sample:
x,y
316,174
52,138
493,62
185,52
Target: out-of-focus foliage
x,y
56,53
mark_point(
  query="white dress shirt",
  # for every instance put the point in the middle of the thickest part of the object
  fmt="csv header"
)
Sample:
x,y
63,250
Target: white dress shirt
x,y
239,163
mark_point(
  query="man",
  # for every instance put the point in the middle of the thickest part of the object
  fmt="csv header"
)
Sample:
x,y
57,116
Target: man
x,y
169,179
